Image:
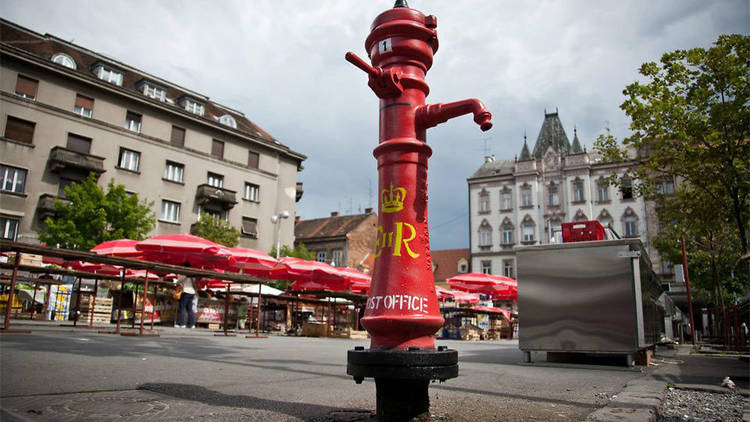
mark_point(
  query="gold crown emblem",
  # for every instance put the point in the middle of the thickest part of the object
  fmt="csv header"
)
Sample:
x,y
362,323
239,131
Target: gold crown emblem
x,y
393,199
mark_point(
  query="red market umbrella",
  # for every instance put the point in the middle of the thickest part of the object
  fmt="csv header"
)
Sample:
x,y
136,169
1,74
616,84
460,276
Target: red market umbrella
x,y
497,286
359,281
140,275
309,275
492,310
96,268
121,247
456,295
250,261
177,249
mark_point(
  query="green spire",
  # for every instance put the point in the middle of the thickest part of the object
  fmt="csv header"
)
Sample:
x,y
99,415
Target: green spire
x,y
400,3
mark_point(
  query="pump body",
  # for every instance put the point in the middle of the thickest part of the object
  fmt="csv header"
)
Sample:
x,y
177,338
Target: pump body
x,y
402,313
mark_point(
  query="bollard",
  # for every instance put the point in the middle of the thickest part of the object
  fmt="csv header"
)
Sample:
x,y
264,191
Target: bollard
x,y
402,313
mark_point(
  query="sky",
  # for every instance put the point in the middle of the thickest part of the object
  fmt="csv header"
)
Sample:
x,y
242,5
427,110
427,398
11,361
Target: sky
x,y
281,62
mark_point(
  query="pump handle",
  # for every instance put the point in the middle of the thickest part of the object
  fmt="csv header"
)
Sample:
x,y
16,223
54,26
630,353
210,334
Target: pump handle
x,y
356,61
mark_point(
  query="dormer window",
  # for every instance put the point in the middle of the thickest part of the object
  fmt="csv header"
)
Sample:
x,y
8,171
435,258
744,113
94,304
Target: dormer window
x,y
228,120
153,91
192,106
108,74
65,60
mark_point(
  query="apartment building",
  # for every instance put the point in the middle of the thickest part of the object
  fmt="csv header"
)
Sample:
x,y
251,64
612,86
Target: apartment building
x,y
67,111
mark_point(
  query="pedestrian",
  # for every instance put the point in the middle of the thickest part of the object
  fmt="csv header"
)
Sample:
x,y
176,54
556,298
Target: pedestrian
x,y
186,300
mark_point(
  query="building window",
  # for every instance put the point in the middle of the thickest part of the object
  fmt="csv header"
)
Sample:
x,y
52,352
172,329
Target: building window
x,y
253,159
217,148
64,183
605,220
26,87
528,231
484,201
19,130
626,187
215,180
485,234
337,258
65,60
554,198
603,191
463,267
192,106
170,211
320,256
129,160
83,106
555,235
507,235
108,74
152,91
217,215
228,120
526,197
665,187
506,200
12,179
578,195
78,143
251,192
9,228
508,268
174,171
250,226
630,226
133,121
580,216
487,267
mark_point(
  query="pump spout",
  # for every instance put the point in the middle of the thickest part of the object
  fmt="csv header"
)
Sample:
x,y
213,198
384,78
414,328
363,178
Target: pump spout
x,y
430,115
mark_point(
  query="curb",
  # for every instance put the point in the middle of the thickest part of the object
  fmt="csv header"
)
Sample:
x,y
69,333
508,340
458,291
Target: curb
x,y
639,401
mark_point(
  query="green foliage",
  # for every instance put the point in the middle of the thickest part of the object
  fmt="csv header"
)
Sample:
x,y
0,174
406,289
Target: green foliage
x,y
89,216
299,251
690,117
216,230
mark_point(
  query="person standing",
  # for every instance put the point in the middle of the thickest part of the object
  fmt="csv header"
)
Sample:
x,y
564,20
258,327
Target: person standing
x,y
186,300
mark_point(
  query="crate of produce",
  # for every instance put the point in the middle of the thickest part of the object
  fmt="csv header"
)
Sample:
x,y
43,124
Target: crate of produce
x,y
102,309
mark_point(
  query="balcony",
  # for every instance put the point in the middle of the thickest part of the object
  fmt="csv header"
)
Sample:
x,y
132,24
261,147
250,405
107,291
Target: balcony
x,y
211,195
46,206
64,160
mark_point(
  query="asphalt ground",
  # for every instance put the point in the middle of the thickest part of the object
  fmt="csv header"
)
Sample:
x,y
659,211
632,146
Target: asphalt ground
x,y
63,374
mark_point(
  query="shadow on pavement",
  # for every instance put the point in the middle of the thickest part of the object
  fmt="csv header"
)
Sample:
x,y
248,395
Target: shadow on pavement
x,y
209,397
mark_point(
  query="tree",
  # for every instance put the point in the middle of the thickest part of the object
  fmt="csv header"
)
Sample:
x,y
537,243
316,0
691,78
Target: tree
x,y
216,230
690,118
88,216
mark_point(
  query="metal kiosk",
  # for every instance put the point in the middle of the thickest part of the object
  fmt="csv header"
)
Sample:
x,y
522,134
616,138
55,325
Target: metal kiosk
x,y
596,297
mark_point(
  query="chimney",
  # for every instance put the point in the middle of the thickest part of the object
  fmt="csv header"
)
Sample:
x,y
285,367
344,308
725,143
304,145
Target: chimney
x,y
368,210
334,213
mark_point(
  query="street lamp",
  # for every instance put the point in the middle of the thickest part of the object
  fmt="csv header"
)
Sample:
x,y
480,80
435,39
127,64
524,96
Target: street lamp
x,y
276,219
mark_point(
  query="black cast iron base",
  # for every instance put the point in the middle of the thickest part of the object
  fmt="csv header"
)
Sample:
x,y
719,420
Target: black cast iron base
x,y
402,377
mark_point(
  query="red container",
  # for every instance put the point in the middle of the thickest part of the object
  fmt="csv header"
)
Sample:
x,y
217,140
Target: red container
x,y
582,231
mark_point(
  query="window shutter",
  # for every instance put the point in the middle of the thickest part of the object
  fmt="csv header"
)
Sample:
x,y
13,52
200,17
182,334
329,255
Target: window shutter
x,y
78,143
19,130
253,159
26,86
250,226
217,148
178,136
84,102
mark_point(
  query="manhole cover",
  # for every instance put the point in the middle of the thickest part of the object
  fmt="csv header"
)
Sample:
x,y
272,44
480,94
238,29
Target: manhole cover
x,y
108,407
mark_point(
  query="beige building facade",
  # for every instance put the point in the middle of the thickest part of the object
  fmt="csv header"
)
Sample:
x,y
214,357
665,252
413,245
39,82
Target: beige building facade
x,y
67,111
523,201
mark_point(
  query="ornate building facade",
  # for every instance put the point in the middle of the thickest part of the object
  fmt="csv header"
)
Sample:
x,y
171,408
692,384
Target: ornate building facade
x,y
524,201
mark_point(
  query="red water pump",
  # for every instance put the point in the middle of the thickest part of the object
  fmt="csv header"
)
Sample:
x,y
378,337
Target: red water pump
x,y
402,313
